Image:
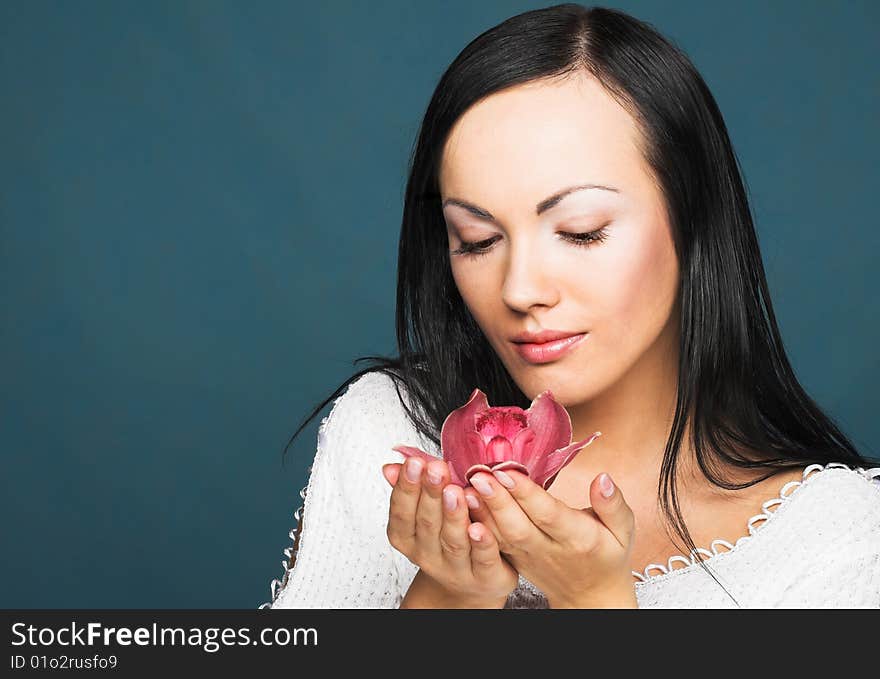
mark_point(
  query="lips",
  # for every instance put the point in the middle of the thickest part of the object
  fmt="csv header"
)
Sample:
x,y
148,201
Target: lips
x,y
542,337
546,352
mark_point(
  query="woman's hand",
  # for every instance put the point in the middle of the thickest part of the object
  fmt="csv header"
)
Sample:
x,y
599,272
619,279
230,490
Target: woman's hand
x,y
428,522
578,557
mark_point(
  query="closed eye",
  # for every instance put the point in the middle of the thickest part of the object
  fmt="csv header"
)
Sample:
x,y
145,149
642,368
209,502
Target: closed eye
x,y
479,248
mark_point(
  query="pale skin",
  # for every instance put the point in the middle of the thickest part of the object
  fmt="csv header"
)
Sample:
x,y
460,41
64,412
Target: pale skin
x,y
505,155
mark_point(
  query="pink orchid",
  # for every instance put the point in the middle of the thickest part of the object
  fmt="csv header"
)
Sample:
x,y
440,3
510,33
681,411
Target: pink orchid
x,y
476,437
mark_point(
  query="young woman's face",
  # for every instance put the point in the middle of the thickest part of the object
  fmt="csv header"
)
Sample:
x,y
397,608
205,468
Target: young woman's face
x,y
506,155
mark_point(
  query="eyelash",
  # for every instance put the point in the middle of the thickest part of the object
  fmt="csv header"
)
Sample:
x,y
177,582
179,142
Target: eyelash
x,y
480,248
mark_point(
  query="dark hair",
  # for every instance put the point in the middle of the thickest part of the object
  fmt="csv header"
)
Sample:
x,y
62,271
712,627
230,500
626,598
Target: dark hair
x,y
748,409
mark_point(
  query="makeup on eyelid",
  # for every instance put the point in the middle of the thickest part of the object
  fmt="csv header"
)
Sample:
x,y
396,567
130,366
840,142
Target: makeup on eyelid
x,y
585,239
572,219
575,218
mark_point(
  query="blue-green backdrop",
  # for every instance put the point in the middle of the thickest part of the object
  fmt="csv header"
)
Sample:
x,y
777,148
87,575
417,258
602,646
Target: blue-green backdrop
x,y
198,224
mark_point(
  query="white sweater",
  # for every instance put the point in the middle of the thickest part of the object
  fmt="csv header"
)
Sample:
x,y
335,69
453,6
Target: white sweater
x,y
815,545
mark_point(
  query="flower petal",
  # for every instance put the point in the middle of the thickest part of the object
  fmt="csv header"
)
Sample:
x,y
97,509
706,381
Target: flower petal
x,y
524,449
511,464
550,465
457,448
550,422
474,453
476,468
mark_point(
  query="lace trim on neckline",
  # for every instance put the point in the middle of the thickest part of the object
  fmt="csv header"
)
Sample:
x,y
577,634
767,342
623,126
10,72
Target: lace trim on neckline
x,y
754,524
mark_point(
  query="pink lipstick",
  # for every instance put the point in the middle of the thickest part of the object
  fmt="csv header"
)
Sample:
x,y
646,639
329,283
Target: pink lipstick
x,y
547,351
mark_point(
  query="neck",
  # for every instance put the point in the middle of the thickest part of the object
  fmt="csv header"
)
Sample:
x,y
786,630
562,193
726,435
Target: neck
x,y
635,417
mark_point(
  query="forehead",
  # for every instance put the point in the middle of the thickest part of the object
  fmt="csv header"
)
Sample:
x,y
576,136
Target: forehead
x,y
527,141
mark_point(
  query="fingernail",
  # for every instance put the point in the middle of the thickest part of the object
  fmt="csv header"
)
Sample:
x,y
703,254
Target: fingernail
x,y
504,479
474,533
606,487
449,499
413,469
433,477
482,486
473,502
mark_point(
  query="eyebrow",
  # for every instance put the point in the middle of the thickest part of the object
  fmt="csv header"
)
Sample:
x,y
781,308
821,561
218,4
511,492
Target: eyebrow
x,y
540,208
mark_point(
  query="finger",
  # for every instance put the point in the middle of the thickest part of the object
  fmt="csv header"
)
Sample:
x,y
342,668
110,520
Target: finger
x,y
391,471
553,517
454,539
404,503
610,506
516,529
435,477
429,513
479,512
485,552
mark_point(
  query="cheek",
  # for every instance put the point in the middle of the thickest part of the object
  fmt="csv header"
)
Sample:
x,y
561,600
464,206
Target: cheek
x,y
640,287
464,281
476,288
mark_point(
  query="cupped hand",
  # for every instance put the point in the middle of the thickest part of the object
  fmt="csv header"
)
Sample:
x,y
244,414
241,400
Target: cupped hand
x,y
428,522
579,558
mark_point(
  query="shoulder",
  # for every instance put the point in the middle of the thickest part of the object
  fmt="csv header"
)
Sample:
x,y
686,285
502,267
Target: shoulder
x,y
368,420
372,401
832,547
840,505
853,488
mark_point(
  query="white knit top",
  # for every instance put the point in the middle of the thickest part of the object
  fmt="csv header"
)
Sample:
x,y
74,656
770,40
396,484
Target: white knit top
x,y
816,545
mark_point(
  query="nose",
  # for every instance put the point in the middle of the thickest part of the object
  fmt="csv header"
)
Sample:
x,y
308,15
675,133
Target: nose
x,y
527,280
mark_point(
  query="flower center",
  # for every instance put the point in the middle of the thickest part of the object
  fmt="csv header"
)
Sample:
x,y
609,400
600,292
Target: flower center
x,y
506,421
498,450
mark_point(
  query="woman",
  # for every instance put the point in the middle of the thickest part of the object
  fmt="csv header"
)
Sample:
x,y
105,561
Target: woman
x,y
573,173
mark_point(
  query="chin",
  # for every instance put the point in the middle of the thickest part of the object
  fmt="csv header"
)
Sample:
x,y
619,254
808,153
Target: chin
x,y
564,391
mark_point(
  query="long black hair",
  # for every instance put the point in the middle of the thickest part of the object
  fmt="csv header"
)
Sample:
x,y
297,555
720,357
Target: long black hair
x,y
748,409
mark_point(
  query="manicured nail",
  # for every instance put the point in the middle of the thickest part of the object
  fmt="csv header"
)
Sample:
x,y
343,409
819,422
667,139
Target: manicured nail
x,y
504,479
413,469
482,486
449,499
386,471
434,478
473,502
606,487
474,532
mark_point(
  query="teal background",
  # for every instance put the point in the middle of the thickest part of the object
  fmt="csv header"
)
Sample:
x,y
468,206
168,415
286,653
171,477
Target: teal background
x,y
198,228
